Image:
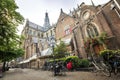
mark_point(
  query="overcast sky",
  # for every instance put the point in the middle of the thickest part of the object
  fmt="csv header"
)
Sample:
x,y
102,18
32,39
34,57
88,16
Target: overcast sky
x,y
34,10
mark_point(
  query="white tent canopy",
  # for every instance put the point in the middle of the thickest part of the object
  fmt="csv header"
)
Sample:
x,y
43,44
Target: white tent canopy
x,y
33,57
28,60
66,41
47,51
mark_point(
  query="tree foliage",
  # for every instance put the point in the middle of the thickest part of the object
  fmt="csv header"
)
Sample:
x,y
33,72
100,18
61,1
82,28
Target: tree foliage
x,y
60,50
10,55
9,40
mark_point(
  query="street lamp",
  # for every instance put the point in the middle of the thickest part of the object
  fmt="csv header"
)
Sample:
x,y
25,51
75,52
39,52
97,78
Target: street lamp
x,y
52,43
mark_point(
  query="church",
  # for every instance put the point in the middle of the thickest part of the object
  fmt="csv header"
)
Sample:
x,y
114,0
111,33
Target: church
x,y
96,28
37,43
85,30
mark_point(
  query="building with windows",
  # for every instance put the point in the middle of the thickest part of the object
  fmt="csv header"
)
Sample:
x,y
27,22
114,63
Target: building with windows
x,y
96,28
63,30
85,30
36,43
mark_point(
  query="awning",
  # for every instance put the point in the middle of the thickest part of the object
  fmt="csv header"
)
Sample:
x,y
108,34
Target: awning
x,y
25,61
33,57
20,62
46,52
66,41
29,59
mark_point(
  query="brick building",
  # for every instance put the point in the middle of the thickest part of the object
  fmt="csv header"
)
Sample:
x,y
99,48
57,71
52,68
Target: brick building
x,y
63,30
83,25
37,43
92,22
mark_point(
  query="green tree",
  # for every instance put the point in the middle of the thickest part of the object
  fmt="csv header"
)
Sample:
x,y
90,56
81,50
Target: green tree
x,y
60,50
11,54
9,40
9,20
13,51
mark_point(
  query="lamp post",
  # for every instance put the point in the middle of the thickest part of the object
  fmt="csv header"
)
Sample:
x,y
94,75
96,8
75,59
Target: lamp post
x,y
52,42
52,45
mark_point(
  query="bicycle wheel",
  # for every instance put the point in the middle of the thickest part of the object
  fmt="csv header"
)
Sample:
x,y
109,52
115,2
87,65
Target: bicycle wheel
x,y
106,70
115,69
94,70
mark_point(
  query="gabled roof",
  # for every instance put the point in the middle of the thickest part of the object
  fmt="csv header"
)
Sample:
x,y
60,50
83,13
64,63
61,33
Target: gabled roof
x,y
34,26
63,15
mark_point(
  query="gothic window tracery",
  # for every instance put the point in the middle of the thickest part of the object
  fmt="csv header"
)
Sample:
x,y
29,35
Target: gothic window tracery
x,y
92,31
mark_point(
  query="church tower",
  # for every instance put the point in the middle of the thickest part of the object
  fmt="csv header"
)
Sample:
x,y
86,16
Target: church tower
x,y
46,22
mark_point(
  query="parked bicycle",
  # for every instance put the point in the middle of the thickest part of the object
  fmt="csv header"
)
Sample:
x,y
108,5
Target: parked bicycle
x,y
58,69
100,66
107,64
114,62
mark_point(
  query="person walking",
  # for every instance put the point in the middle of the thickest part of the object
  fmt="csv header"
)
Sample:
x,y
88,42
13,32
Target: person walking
x,y
69,65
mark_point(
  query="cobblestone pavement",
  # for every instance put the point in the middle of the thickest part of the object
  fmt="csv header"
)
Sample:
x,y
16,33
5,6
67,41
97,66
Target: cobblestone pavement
x,y
31,74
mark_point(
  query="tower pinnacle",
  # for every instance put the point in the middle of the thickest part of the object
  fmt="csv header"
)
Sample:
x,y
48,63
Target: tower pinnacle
x,y
92,3
46,21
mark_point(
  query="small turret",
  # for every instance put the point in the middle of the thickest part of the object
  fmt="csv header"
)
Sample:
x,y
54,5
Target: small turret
x,y
61,10
46,21
92,3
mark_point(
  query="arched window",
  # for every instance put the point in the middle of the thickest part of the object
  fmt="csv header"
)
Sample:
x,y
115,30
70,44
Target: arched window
x,y
92,31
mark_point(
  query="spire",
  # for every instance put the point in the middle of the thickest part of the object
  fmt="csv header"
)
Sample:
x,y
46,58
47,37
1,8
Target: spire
x,y
46,21
70,11
61,10
92,3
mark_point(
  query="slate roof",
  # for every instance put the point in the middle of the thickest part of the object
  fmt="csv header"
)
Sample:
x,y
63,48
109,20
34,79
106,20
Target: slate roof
x,y
34,26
